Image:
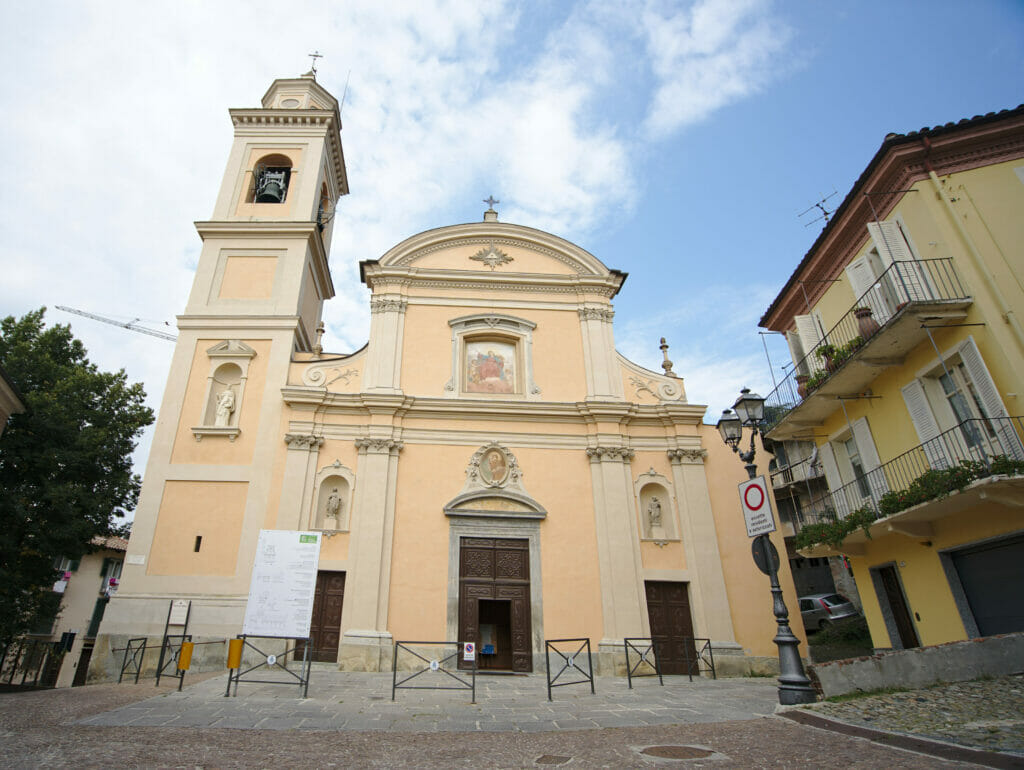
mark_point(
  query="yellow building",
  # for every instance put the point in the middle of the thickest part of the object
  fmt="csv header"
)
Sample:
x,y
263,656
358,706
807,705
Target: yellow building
x,y
904,322
487,465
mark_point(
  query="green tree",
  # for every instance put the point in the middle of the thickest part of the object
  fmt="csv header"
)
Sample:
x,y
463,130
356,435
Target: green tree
x,y
65,463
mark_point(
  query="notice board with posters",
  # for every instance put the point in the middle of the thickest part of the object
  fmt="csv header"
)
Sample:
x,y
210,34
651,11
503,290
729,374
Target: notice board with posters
x,y
283,584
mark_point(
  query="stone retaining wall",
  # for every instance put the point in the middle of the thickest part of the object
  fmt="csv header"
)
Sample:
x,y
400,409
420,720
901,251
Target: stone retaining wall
x,y
924,666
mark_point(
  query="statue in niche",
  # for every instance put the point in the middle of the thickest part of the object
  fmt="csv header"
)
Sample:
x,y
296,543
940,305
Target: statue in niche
x,y
225,406
654,512
333,507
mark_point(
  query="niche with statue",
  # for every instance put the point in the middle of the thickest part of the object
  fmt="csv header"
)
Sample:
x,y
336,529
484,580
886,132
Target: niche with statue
x,y
225,388
657,517
334,499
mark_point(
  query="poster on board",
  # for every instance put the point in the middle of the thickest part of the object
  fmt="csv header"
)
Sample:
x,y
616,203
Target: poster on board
x,y
283,584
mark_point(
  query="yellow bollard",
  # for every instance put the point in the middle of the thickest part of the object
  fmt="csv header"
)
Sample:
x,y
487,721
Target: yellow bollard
x,y
235,653
185,656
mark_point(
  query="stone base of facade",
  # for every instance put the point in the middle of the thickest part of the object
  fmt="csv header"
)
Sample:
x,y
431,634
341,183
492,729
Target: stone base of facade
x,y
366,651
108,656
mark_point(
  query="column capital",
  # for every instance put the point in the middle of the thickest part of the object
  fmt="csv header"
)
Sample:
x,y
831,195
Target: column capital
x,y
596,314
687,456
387,305
303,441
610,454
378,445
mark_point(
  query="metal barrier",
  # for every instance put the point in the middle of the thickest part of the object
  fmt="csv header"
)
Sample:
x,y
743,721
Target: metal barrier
x,y
274,660
447,665
569,663
170,649
133,656
39,658
700,661
645,654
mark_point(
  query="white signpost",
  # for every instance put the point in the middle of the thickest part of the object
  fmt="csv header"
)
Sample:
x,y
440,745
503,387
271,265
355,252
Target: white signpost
x,y
283,584
757,511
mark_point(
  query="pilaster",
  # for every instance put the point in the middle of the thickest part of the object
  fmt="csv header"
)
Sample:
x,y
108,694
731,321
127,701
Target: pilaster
x,y
708,598
618,545
299,468
603,379
366,641
384,356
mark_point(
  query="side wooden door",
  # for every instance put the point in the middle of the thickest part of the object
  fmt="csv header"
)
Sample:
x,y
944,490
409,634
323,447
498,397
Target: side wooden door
x,y
668,609
325,624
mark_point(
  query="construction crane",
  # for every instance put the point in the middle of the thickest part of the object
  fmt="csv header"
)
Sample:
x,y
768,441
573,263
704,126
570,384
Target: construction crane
x,y
131,325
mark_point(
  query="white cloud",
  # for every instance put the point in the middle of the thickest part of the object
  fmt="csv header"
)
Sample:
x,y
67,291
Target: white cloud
x,y
707,56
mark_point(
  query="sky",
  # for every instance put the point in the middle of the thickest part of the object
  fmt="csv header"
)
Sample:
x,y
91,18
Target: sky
x,y
676,141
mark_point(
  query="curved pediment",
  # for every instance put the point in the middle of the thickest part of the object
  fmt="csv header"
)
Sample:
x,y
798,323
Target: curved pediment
x,y
493,247
504,504
494,488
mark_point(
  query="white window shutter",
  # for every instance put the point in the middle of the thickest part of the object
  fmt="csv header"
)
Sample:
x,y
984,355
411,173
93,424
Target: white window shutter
x,y
989,395
909,280
869,459
867,289
796,352
827,456
807,328
924,423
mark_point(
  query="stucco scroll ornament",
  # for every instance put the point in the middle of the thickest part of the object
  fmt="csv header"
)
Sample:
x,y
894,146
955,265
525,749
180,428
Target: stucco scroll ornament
x,y
492,256
320,376
690,456
663,391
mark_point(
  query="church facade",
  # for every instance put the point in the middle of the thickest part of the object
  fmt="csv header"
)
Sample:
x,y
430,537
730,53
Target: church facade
x,y
488,467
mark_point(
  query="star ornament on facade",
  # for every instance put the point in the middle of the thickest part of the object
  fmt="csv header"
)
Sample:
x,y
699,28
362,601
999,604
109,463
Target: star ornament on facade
x,y
492,256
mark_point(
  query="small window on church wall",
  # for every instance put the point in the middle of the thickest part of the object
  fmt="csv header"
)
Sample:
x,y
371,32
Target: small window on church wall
x,y
222,407
490,366
270,179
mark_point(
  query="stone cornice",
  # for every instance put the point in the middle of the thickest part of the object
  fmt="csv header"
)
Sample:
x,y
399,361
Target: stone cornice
x,y
379,277
588,412
237,326
303,441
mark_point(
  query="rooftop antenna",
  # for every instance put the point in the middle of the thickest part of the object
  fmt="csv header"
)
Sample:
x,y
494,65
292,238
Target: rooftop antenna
x,y
820,205
314,56
344,93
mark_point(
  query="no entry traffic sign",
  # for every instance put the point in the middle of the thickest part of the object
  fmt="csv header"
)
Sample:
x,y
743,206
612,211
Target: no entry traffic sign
x,y
757,511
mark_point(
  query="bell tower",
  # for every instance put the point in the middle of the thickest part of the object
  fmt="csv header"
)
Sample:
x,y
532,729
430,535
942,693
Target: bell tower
x,y
265,248
256,301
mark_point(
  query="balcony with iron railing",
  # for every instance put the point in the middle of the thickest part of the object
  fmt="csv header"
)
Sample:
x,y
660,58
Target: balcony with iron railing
x,y
882,326
796,473
977,461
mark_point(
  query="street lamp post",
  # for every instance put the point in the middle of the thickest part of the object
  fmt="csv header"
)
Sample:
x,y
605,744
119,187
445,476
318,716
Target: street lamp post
x,y
794,686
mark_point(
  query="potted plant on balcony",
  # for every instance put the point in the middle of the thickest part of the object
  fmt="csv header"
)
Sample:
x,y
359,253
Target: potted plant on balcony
x,y
827,353
801,385
866,324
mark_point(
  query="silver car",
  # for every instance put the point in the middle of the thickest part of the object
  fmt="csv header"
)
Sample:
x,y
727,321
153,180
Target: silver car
x,y
819,610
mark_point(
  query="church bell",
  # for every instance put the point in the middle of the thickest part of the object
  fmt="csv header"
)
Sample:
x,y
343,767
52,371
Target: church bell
x,y
271,184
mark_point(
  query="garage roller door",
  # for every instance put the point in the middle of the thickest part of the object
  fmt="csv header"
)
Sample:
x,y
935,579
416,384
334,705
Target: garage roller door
x,y
987,573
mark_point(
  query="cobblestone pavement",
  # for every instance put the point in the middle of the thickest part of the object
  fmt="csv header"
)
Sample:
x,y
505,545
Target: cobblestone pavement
x,y
987,714
728,723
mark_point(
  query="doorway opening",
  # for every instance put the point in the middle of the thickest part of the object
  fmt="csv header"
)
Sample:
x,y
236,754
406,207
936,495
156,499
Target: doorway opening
x,y
495,648
895,610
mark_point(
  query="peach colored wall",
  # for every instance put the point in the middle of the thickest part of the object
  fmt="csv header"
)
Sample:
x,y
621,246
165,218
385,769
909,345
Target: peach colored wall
x,y
749,590
558,479
248,278
212,509
217,449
